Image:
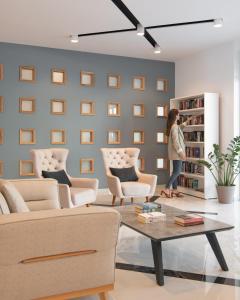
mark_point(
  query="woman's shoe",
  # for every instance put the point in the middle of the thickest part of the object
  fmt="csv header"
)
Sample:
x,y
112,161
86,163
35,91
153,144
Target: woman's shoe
x,y
167,195
177,194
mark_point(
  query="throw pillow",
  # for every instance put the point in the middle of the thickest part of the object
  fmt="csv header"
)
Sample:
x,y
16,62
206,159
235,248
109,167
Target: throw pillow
x,y
60,176
14,199
125,174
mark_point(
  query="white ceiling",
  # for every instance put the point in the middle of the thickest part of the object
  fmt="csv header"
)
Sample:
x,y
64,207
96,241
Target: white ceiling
x,y
49,23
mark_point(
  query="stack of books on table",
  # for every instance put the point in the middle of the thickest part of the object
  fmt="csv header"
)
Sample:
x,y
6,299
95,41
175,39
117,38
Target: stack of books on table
x,y
147,207
188,220
151,217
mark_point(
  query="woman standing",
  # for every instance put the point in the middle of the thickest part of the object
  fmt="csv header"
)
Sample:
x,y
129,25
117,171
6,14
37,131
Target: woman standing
x,y
176,151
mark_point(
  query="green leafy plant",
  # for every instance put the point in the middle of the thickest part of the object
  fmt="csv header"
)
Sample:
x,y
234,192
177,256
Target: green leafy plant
x,y
225,167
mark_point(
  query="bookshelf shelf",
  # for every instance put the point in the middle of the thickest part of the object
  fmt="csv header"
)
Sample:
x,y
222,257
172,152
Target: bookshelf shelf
x,y
205,107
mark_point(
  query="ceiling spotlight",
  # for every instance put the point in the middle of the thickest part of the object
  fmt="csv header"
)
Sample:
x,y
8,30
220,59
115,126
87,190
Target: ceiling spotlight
x,y
140,30
157,49
74,38
218,23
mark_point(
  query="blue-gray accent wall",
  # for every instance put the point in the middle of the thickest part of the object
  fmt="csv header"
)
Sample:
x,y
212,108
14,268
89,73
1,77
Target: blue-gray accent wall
x,y
44,59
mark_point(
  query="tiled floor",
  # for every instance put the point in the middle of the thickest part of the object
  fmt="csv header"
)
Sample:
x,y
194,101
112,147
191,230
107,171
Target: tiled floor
x,y
192,254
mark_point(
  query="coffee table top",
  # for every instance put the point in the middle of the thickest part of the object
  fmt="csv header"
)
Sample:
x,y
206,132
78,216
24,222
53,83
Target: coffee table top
x,y
167,229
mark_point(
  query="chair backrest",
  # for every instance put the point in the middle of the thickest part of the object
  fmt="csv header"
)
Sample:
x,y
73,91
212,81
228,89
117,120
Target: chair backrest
x,y
120,158
52,159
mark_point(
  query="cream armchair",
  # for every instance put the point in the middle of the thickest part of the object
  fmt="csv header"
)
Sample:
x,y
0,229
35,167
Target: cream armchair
x,y
83,190
124,158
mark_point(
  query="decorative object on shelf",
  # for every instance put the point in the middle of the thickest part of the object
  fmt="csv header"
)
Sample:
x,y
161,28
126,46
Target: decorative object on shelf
x,y
114,137
141,164
27,136
1,72
87,78
27,73
1,104
1,168
87,136
138,137
114,109
86,165
161,138
162,111
58,137
1,136
138,110
162,84
225,168
27,105
138,83
26,168
161,163
113,81
58,107
58,76
87,108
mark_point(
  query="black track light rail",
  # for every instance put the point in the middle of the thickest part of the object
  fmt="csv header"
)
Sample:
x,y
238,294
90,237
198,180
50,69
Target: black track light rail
x,y
129,15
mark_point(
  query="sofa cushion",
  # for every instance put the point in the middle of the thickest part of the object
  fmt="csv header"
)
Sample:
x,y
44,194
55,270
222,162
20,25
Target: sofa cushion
x,y
4,210
60,176
14,199
135,189
124,174
81,196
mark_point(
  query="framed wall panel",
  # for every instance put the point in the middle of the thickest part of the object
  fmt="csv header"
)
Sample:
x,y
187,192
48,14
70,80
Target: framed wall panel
x,y
1,136
87,78
1,104
161,137
27,136
26,168
87,108
138,110
87,136
138,137
162,111
138,83
58,76
27,73
27,105
161,163
114,109
141,164
1,168
1,72
58,137
114,137
58,107
113,81
162,84
87,165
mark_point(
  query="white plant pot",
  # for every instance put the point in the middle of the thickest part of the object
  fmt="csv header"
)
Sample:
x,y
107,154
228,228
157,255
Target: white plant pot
x,y
225,194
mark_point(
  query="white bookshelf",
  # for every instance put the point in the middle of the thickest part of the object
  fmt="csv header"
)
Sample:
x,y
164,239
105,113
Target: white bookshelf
x,y
206,184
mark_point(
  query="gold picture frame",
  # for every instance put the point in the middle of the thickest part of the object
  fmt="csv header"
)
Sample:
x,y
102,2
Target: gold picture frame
x,y
162,85
1,72
114,81
114,137
27,74
161,163
87,136
1,168
138,110
87,108
86,165
1,104
27,105
141,164
161,138
58,136
1,136
58,106
161,111
87,78
27,136
58,76
114,109
26,168
138,83
138,137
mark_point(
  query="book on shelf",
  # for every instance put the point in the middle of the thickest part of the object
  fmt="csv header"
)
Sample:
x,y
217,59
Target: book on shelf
x,y
194,136
197,102
187,182
193,152
196,120
188,220
151,217
190,167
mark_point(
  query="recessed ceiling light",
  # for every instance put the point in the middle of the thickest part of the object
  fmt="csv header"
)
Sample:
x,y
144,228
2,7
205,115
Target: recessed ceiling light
x,y
74,38
140,30
218,23
157,49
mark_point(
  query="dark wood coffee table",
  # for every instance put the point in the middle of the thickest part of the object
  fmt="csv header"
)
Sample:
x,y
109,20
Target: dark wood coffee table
x,y
168,230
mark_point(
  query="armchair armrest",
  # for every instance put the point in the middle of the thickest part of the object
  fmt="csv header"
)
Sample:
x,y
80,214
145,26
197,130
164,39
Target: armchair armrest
x,y
91,183
64,196
114,185
149,179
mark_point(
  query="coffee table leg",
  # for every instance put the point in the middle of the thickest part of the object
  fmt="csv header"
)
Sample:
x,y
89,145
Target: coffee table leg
x,y
211,236
158,264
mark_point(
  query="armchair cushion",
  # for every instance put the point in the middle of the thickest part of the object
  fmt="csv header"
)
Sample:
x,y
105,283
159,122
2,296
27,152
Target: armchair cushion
x,y
81,196
14,199
125,174
60,176
135,189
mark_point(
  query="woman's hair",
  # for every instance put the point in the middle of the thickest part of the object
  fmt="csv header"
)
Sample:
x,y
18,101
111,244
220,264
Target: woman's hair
x,y
172,115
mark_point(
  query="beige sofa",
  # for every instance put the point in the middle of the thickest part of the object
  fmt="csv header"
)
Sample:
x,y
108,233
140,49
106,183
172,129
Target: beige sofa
x,y
57,253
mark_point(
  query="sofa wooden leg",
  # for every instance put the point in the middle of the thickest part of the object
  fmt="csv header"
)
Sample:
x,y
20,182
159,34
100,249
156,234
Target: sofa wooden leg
x,y
147,199
113,200
132,200
87,205
121,201
103,296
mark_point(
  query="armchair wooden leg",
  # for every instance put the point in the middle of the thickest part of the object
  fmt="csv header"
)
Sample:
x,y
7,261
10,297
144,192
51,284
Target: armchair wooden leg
x,y
132,200
121,201
113,200
87,205
147,199
103,296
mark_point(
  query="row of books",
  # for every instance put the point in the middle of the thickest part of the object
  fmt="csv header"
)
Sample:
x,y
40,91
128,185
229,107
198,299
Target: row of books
x,y
194,136
193,168
192,103
188,182
193,152
196,120
188,220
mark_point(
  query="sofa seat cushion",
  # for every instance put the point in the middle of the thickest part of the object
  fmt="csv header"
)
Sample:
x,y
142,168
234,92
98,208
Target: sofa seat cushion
x,y
133,188
82,196
4,210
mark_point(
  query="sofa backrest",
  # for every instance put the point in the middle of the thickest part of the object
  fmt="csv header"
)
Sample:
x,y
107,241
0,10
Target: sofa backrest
x,y
39,194
4,210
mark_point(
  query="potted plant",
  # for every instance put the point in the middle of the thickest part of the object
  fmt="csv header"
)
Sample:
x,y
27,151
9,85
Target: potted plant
x,y
225,168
